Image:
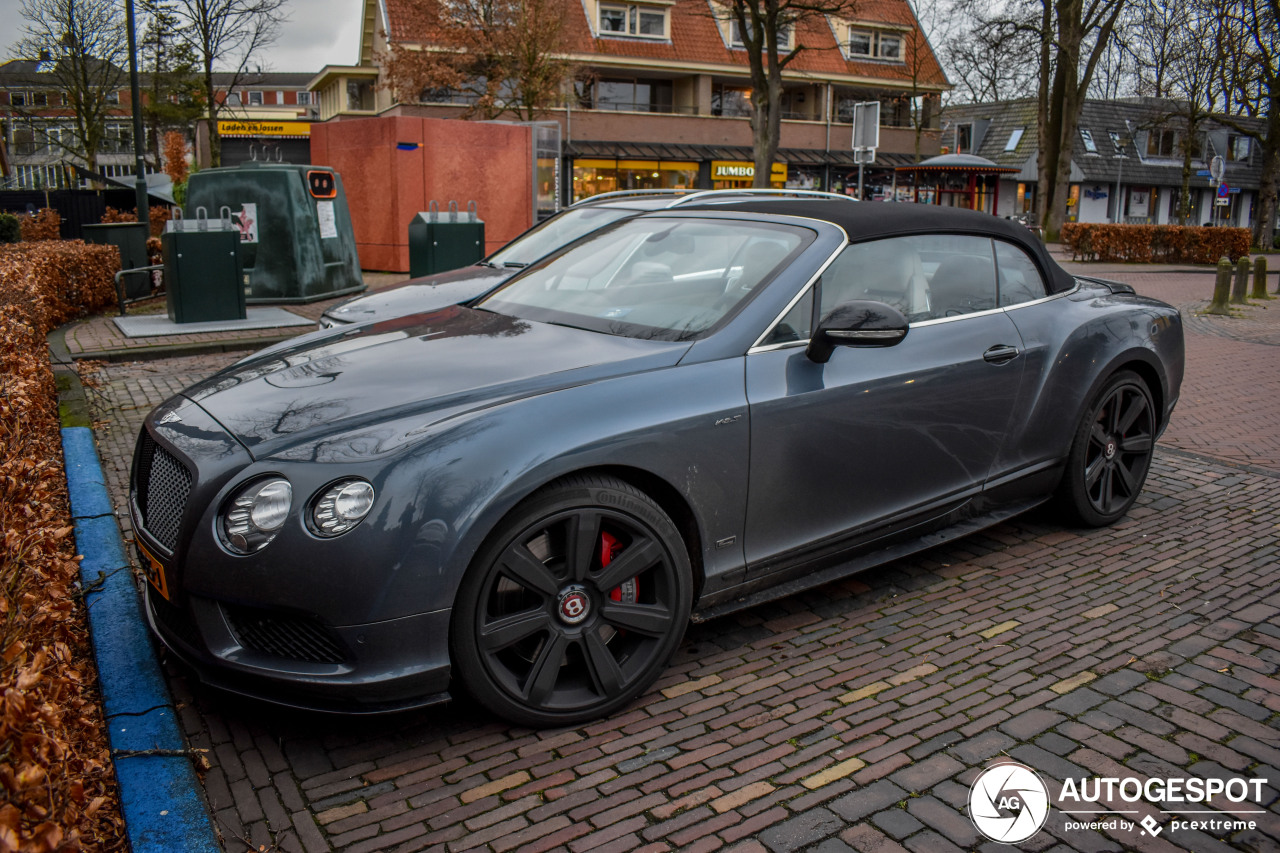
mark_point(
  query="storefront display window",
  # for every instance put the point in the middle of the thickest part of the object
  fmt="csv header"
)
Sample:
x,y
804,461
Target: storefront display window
x,y
593,177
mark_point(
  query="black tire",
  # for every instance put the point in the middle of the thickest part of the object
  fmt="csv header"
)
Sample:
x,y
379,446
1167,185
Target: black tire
x,y
573,606
1111,453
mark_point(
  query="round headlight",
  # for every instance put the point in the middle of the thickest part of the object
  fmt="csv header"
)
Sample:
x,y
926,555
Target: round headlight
x,y
341,507
256,514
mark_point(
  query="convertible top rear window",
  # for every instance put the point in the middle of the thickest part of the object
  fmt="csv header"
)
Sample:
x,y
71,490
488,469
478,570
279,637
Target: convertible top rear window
x,y
658,278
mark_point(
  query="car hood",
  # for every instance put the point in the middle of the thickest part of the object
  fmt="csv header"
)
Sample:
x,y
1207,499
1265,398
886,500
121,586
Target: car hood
x,y
415,370
421,294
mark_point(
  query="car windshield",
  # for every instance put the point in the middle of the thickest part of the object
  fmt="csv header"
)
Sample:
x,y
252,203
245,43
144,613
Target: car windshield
x,y
556,232
658,278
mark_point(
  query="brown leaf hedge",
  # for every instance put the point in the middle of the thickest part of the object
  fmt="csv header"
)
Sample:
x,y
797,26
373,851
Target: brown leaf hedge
x,y
57,789
1165,244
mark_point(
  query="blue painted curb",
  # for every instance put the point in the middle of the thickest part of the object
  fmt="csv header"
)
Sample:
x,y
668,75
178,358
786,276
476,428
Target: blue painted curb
x,y
160,795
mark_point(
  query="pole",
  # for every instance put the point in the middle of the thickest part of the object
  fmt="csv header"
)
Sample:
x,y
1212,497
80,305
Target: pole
x,y
860,177
139,142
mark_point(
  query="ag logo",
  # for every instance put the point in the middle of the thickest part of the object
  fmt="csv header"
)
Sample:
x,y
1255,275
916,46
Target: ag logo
x,y
1008,803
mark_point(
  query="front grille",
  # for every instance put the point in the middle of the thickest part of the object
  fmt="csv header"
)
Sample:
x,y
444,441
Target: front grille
x,y
283,635
163,486
173,619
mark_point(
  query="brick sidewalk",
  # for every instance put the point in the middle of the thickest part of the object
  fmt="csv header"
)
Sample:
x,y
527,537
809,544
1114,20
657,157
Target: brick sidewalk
x,y
851,717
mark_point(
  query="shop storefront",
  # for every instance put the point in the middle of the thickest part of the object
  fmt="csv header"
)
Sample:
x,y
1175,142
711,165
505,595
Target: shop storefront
x,y
595,176
738,174
247,140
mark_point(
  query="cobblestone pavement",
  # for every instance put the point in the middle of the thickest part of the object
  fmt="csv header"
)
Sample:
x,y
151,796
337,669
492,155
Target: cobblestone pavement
x,y
855,716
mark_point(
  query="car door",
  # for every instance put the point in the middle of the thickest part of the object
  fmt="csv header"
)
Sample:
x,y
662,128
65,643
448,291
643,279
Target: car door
x,y
879,437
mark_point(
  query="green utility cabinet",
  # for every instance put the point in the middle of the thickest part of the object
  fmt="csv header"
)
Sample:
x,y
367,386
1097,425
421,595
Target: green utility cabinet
x,y
296,238
438,244
131,239
204,277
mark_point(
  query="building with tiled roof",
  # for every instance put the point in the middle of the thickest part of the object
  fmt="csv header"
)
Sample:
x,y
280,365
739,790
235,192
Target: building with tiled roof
x,y
1129,149
668,100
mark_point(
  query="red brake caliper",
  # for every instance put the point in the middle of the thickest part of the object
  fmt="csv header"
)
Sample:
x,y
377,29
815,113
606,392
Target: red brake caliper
x,y
627,591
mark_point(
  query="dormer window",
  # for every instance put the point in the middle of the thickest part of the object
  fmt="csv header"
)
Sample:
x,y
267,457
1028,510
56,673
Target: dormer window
x,y
735,35
635,21
1087,137
870,44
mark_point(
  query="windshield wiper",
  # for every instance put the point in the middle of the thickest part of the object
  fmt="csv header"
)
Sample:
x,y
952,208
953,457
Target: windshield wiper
x,y
515,265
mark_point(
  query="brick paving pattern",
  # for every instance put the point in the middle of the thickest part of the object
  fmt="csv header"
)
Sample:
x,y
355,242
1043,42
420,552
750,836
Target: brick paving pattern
x,y
853,717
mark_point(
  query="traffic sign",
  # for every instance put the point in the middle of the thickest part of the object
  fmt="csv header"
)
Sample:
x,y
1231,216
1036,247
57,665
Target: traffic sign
x,y
1203,173
1223,190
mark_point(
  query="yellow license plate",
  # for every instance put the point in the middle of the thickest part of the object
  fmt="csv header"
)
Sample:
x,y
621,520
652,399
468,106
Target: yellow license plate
x,y
154,571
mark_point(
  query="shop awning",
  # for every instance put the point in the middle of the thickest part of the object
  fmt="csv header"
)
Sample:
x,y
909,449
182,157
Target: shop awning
x,y
697,153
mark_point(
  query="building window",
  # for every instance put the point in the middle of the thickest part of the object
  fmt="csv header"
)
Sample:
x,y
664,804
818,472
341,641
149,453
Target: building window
x,y
735,35
628,95
279,97
304,99
637,21
868,44
39,99
1239,147
113,97
1087,137
1014,139
730,100
1161,143
18,99
233,100
1116,142
255,99
964,139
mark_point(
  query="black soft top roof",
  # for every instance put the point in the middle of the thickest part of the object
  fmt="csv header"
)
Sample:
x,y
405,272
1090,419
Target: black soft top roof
x,y
873,220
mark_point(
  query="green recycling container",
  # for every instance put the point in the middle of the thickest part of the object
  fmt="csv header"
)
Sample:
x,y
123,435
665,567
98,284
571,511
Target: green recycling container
x,y
204,279
438,243
296,239
131,239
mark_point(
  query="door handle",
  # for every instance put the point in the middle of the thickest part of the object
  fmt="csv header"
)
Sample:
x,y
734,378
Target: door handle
x,y
1000,353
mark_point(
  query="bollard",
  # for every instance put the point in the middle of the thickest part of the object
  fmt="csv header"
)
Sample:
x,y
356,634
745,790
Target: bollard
x,y
1260,279
1241,287
1221,289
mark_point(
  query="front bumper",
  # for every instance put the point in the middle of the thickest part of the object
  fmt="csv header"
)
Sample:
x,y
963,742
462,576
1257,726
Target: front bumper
x,y
287,659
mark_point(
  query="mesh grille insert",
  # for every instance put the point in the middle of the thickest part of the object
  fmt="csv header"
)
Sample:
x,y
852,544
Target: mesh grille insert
x,y
164,484
283,635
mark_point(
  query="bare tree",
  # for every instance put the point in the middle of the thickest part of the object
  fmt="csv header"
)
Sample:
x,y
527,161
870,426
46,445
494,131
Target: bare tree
x,y
1249,36
995,60
495,56
229,33
1074,34
765,28
85,45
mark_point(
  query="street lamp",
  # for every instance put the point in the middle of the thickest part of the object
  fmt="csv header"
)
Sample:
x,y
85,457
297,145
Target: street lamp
x,y
1119,141
139,145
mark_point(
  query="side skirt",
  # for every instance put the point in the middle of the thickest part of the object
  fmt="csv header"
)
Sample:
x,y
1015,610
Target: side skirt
x,y
747,595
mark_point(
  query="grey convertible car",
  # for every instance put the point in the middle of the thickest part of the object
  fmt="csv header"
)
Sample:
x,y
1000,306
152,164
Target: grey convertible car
x,y
529,495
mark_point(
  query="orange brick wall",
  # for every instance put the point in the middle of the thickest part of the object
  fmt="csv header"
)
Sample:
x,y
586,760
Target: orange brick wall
x,y
460,161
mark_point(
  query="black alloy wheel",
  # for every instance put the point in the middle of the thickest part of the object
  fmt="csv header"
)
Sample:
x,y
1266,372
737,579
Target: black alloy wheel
x,y
574,605
1111,453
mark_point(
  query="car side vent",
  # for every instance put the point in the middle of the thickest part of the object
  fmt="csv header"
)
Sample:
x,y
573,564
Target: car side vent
x,y
283,635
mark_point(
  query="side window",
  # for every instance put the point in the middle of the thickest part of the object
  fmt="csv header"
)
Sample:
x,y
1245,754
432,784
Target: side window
x,y
795,324
962,275
1020,279
889,271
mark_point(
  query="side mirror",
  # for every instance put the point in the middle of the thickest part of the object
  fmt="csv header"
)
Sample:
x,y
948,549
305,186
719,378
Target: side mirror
x,y
860,323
